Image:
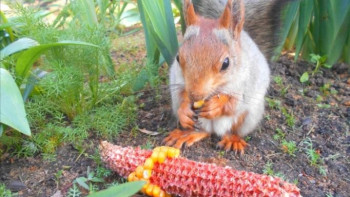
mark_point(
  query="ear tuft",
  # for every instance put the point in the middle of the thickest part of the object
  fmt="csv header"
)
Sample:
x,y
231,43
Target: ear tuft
x,y
226,17
191,17
233,17
239,18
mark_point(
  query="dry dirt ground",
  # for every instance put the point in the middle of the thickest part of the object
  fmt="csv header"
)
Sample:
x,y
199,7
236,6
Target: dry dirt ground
x,y
320,112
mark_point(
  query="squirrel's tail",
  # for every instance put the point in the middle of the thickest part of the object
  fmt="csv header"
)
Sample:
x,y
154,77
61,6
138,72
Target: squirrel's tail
x,y
262,19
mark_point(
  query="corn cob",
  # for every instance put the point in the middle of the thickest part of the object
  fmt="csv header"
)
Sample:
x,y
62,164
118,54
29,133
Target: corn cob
x,y
183,177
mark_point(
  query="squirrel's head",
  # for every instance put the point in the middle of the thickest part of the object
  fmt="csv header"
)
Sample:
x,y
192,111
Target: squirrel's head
x,y
210,50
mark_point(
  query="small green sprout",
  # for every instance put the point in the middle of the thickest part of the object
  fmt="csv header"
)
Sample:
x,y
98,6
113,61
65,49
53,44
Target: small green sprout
x,y
289,147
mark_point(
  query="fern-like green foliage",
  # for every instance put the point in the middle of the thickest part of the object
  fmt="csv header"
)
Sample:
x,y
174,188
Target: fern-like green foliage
x,y
4,192
76,91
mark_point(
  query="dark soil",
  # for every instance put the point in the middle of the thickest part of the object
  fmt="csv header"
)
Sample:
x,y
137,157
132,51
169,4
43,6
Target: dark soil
x,y
328,128
326,125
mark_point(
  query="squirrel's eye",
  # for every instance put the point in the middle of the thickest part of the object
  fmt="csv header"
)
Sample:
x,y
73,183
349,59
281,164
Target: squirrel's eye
x,y
177,58
225,64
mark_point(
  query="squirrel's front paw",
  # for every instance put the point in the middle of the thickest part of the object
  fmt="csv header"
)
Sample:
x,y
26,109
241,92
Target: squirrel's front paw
x,y
217,106
185,114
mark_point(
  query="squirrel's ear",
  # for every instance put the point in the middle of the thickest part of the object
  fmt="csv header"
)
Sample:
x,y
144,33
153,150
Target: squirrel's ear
x,y
226,17
233,17
190,15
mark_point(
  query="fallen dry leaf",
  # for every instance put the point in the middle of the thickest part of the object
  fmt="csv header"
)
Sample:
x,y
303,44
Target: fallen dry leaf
x,y
347,103
149,132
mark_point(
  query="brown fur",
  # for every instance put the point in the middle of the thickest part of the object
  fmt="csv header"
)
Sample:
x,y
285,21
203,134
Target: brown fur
x,y
211,49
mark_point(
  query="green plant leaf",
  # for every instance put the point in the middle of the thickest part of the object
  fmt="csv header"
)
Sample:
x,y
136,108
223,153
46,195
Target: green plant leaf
x,y
324,106
305,77
305,16
97,180
130,17
327,66
178,4
315,58
288,19
150,42
82,182
88,14
27,58
123,190
12,107
161,20
18,45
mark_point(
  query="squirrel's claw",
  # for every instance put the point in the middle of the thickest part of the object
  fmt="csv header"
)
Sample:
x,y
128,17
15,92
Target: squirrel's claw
x,y
186,117
233,142
177,138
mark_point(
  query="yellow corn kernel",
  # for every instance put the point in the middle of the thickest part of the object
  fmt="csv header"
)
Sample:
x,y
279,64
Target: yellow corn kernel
x,y
139,171
163,149
177,153
149,190
148,164
198,104
154,156
171,152
131,177
161,157
156,149
145,186
156,191
147,174
161,193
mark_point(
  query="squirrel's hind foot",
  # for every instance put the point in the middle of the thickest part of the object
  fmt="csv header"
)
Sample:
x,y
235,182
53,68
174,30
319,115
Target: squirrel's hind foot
x,y
233,142
177,138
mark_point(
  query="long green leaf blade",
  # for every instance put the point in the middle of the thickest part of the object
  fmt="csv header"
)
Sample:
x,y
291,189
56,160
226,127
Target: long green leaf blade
x,y
150,43
289,17
305,15
18,45
161,19
27,58
12,111
123,190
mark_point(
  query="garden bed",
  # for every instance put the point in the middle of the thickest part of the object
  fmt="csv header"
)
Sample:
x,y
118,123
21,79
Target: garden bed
x,y
304,137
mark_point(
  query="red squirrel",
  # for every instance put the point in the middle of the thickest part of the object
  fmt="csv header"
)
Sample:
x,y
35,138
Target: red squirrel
x,y
219,63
